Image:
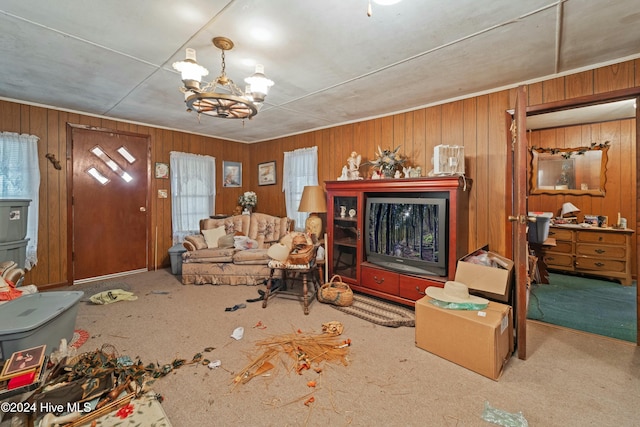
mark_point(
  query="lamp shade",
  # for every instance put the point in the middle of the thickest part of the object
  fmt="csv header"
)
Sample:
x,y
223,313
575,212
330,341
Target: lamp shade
x,y
313,199
568,208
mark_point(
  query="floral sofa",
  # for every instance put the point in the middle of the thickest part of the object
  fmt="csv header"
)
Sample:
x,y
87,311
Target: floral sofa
x,y
233,250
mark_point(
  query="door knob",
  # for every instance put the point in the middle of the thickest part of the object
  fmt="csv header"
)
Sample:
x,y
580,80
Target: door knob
x,y
522,219
143,209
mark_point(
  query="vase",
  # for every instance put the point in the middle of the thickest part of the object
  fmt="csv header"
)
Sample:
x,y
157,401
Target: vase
x,y
388,173
246,210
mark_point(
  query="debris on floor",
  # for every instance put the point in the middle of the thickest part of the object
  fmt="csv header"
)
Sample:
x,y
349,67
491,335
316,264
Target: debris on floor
x,y
502,418
303,351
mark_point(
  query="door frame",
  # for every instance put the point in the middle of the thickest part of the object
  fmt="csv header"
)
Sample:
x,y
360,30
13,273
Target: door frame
x,y
70,221
568,104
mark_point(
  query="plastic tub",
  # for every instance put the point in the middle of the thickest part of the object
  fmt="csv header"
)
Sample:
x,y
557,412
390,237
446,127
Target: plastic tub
x,y
175,253
36,319
13,219
14,251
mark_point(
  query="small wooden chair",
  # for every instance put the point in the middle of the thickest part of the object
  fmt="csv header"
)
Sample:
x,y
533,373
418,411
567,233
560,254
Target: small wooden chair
x,y
290,273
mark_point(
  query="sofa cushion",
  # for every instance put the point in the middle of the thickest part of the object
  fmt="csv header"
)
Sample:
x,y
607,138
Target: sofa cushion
x,y
232,224
251,256
267,229
194,242
209,255
212,235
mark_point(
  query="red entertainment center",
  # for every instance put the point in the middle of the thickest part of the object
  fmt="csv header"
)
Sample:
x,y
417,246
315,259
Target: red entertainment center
x,y
392,238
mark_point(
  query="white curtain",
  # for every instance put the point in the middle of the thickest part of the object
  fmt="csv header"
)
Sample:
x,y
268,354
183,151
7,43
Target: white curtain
x,y
300,168
193,192
20,179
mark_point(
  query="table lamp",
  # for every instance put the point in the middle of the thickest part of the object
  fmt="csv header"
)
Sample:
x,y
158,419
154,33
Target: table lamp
x,y
313,201
568,209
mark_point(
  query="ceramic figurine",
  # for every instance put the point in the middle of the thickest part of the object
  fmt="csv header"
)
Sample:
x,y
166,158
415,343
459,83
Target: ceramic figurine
x,y
354,164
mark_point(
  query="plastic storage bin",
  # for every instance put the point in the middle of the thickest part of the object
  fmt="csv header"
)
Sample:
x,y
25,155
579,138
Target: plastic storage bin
x,y
14,251
37,319
13,219
175,253
539,230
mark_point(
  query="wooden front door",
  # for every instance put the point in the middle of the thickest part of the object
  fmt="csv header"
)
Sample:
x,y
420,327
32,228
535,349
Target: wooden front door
x,y
108,203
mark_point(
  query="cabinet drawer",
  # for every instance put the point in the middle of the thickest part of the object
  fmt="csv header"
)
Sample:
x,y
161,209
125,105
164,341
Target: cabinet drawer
x,y
556,259
563,247
380,280
414,287
605,238
560,234
599,264
617,252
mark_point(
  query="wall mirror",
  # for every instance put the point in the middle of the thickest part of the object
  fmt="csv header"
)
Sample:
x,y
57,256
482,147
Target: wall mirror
x,y
580,170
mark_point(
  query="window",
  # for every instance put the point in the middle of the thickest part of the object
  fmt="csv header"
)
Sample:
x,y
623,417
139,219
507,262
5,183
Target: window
x,y
300,168
20,179
193,192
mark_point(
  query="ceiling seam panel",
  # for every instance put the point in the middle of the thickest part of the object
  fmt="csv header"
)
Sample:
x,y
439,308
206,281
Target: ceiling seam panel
x,y
559,27
165,65
435,49
78,38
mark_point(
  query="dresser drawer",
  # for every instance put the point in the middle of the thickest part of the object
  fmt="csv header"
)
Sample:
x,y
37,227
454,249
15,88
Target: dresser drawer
x,y
598,264
380,280
616,252
553,259
602,237
563,247
560,234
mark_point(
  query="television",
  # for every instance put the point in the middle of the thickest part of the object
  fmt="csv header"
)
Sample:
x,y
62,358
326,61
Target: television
x,y
408,232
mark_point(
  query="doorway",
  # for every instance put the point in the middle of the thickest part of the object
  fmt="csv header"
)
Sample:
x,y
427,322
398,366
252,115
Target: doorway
x,y
619,185
108,199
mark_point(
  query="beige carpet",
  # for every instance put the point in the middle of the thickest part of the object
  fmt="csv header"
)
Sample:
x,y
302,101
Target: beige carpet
x,y
569,379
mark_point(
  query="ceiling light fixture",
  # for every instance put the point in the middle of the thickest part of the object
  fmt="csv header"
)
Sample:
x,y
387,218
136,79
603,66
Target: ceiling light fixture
x,y
221,97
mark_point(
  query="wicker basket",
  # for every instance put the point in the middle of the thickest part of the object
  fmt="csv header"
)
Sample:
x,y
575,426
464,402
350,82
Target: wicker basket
x,y
336,292
301,254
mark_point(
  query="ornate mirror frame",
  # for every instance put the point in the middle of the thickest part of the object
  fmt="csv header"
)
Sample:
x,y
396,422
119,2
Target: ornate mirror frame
x,y
575,171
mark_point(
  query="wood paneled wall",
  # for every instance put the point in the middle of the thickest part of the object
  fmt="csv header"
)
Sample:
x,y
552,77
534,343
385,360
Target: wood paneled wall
x,y
478,123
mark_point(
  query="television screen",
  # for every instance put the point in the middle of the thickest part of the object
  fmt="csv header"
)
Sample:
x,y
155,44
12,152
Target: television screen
x,y
408,233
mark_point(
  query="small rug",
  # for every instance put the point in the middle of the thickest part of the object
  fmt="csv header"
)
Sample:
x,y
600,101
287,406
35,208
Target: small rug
x,y
379,312
80,336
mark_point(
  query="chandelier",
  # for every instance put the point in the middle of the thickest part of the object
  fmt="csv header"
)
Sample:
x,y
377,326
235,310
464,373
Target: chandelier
x,y
221,97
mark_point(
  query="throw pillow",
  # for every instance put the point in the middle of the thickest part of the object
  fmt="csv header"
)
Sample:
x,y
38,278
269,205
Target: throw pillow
x,y
194,242
226,241
212,235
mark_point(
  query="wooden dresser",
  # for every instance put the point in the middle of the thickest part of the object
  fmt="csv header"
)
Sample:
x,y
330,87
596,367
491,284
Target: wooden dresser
x,y
604,252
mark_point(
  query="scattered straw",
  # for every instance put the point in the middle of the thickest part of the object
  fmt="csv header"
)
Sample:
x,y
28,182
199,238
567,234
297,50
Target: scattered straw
x,y
303,350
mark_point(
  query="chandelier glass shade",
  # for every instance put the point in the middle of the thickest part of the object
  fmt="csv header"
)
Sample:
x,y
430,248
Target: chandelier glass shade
x,y
221,97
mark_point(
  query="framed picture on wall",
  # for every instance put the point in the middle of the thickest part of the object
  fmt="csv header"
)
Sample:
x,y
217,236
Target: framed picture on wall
x,y
162,170
231,174
267,173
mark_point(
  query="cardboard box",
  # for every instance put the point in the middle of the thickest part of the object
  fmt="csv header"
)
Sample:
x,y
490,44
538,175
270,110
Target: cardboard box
x,y
494,283
481,341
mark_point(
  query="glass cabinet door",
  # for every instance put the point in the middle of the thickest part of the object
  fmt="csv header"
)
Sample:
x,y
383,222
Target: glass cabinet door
x,y
346,236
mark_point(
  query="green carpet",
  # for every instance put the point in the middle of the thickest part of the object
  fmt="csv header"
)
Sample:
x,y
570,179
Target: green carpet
x,y
596,306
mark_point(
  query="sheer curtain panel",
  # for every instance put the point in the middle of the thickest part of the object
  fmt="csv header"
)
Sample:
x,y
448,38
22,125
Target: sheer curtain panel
x,y
193,192
20,179
300,168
